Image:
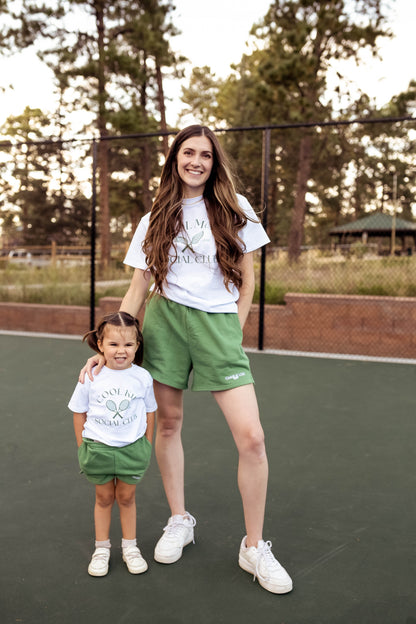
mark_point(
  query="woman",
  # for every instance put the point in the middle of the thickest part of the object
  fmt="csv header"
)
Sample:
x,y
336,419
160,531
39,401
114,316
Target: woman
x,y
197,243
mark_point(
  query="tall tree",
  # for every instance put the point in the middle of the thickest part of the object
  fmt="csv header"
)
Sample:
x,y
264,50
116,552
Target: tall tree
x,y
134,163
32,170
116,49
302,40
201,95
285,80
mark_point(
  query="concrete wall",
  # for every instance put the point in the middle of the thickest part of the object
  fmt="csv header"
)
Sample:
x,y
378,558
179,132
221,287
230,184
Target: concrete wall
x,y
377,326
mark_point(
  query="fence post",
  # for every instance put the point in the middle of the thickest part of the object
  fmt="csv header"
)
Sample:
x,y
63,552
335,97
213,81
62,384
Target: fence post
x,y
53,253
264,201
93,233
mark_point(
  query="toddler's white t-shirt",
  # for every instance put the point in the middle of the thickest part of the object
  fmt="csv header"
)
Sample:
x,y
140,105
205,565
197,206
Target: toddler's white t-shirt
x,y
194,279
116,404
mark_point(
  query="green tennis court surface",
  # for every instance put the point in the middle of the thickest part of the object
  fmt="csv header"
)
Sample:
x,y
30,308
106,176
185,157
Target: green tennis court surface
x,y
341,504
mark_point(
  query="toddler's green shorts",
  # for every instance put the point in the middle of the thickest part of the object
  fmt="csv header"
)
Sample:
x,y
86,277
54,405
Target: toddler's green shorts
x,y
179,339
101,463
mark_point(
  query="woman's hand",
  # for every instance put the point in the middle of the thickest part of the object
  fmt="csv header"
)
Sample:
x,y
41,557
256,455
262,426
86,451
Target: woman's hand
x,y
247,288
92,367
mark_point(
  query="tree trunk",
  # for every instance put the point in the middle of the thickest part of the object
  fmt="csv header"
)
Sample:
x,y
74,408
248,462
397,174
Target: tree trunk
x,y
299,208
271,225
162,107
146,164
104,214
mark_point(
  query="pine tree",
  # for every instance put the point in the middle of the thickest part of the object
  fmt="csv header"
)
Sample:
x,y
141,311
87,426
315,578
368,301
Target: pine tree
x,y
112,59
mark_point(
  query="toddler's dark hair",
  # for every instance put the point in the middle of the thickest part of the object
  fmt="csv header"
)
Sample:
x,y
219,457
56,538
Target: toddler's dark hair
x,y
118,319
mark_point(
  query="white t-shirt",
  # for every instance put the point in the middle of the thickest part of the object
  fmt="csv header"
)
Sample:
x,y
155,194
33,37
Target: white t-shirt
x,y
194,279
116,404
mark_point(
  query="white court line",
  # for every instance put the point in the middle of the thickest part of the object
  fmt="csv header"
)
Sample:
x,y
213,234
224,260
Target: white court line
x,y
335,356
7,332
310,354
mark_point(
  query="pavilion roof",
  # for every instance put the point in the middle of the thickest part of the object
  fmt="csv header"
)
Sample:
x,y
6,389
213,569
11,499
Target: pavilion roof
x,y
375,222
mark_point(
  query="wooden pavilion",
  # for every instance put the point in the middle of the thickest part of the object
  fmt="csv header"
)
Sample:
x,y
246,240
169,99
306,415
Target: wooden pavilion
x,y
390,234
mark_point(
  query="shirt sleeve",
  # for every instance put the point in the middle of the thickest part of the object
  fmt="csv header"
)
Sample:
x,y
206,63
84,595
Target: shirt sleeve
x,y
79,401
135,256
253,234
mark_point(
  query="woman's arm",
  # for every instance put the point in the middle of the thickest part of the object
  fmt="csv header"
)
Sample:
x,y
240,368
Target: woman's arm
x,y
79,422
94,363
135,297
247,287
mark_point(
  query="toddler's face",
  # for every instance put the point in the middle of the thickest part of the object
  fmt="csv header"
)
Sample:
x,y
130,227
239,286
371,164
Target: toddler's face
x,y
119,345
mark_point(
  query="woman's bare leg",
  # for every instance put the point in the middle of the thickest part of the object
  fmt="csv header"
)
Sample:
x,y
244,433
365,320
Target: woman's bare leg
x,y
239,406
168,447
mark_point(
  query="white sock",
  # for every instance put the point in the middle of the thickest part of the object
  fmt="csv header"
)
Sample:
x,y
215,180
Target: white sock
x,y
125,543
103,544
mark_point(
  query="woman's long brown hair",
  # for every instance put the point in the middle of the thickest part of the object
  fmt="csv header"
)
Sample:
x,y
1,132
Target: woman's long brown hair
x,y
225,215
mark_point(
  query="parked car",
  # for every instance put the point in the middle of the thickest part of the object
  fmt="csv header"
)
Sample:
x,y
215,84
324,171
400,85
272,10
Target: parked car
x,y
20,256
25,257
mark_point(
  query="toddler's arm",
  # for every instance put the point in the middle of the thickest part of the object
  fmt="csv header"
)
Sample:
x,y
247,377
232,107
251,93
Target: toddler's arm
x,y
79,421
150,426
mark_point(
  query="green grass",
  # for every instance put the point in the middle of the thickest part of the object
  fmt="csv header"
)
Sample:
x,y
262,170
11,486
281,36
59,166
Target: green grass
x,y
391,277
58,285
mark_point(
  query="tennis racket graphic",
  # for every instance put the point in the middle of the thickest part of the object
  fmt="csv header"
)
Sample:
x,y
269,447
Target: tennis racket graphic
x,y
112,406
188,243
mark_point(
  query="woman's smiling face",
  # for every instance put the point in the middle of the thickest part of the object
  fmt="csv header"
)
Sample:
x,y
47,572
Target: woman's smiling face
x,y
194,162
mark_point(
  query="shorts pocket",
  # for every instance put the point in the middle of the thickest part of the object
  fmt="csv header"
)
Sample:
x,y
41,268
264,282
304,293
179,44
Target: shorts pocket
x,y
93,459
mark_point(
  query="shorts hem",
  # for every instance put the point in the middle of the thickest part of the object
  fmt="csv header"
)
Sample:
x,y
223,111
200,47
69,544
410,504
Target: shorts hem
x,y
246,382
155,376
100,481
176,386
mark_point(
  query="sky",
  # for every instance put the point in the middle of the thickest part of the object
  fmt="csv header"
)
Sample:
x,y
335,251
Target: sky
x,y
215,33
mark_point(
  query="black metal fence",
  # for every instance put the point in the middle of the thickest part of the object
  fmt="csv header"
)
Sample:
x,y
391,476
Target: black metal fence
x,y
351,171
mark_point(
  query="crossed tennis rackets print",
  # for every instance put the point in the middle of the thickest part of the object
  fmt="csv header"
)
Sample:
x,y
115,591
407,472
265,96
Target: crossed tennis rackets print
x,y
112,406
188,243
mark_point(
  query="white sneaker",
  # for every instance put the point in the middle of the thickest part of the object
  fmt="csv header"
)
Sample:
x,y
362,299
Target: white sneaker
x,y
262,564
134,560
178,532
99,562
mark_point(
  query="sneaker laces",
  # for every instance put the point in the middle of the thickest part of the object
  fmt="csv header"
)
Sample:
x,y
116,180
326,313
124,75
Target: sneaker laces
x,y
176,523
265,554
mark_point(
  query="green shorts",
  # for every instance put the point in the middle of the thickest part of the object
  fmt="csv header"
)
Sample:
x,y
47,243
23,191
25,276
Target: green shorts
x,y
179,339
101,463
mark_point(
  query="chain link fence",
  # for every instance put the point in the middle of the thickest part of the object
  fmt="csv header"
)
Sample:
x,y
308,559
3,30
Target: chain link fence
x,y
336,199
